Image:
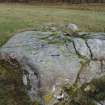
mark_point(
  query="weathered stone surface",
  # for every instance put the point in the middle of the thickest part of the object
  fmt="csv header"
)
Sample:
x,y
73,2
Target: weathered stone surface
x,y
82,48
93,69
97,47
48,61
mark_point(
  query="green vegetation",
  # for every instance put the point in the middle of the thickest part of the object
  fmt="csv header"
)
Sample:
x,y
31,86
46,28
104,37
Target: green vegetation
x,y
17,17
12,91
88,94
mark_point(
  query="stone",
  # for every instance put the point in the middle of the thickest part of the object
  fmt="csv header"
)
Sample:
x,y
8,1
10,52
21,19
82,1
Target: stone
x,y
71,29
48,62
97,47
82,48
93,70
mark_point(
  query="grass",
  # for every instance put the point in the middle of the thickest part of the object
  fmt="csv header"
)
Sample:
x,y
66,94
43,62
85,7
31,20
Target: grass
x,y
14,17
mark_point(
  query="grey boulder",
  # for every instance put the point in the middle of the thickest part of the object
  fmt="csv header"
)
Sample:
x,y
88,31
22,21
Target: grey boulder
x,y
49,62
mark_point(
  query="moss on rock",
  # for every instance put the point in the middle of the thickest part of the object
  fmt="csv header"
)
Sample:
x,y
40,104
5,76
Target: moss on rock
x,y
88,94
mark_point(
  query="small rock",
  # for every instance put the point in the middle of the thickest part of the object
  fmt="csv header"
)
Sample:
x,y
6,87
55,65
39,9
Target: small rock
x,y
72,29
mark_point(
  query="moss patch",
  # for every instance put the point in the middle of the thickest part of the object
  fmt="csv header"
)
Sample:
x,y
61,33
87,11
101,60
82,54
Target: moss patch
x,y
48,98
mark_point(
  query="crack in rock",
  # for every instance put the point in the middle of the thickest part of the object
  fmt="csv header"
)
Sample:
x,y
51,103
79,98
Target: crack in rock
x,y
80,48
91,55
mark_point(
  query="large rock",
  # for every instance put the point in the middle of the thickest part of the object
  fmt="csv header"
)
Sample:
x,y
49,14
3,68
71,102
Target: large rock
x,y
48,61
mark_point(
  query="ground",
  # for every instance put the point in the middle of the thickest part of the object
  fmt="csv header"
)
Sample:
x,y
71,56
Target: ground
x,y
14,17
